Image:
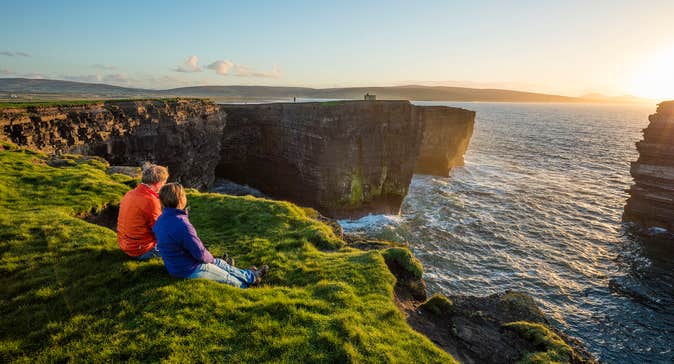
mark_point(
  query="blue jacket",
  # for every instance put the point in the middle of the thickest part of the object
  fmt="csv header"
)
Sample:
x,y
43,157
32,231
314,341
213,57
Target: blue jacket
x,y
178,243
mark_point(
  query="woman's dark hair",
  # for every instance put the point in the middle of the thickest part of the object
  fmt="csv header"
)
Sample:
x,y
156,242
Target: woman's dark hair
x,y
171,194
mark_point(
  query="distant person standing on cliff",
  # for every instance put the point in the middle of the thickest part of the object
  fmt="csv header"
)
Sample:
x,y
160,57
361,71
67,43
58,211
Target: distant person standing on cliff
x,y
184,255
138,211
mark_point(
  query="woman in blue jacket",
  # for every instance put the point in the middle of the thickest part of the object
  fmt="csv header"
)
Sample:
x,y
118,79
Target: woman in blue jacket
x,y
184,255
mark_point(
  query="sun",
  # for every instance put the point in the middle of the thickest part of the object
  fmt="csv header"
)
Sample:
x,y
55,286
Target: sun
x,y
655,78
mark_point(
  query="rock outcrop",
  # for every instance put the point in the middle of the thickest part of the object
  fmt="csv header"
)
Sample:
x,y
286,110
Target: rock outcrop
x,y
651,201
344,158
447,133
184,135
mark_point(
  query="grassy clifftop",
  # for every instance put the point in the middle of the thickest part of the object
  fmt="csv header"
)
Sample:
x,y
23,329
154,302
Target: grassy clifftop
x,y
68,293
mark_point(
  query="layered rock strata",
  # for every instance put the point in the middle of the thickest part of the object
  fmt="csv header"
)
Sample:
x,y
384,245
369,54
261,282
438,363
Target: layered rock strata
x,y
651,201
184,135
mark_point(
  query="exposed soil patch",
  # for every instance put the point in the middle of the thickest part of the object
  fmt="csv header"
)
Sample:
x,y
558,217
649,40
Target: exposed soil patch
x,y
106,218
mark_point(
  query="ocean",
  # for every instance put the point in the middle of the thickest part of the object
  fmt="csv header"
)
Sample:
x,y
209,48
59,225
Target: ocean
x,y
537,208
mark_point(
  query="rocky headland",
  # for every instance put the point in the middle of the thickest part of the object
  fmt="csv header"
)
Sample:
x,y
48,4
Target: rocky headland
x,y
344,158
651,201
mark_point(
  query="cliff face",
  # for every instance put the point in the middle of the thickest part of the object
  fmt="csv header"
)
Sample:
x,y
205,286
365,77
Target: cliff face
x,y
181,134
343,158
447,133
651,201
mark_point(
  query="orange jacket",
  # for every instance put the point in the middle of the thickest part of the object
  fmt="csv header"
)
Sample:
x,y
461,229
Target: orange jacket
x,y
138,211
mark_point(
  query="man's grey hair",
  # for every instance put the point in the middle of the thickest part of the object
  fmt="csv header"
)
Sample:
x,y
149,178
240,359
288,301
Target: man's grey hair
x,y
153,173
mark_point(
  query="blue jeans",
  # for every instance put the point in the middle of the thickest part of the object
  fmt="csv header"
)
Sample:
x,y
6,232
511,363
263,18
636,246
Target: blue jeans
x,y
154,253
222,272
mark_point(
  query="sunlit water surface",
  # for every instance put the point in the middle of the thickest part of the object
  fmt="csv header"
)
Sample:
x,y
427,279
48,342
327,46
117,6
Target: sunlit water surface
x,y
537,208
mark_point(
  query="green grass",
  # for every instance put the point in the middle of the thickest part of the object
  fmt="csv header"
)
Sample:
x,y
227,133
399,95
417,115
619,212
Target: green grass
x,y
553,348
438,305
68,293
403,258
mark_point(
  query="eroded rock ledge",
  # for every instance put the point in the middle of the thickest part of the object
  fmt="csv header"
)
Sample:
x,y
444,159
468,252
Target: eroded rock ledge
x,y
344,158
651,202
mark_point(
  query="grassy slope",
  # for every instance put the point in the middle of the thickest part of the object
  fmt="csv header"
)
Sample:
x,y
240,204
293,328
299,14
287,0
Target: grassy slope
x,y
67,292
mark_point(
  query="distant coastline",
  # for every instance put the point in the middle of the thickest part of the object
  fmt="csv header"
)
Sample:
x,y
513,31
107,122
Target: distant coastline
x,y
24,89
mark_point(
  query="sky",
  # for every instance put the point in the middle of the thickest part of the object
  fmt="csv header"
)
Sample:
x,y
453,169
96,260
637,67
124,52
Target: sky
x,y
560,47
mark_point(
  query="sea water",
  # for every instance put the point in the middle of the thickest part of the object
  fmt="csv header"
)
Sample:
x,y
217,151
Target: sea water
x,y
537,208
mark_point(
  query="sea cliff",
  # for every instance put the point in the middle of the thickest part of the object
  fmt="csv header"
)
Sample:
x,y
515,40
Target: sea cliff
x,y
343,158
651,201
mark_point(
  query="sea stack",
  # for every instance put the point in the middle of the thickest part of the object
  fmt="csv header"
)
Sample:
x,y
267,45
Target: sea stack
x,y
651,201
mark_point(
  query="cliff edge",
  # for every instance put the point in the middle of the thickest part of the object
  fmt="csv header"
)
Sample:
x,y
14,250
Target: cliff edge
x,y
651,201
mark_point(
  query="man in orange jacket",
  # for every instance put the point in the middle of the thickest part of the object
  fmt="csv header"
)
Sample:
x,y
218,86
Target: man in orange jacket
x,y
138,211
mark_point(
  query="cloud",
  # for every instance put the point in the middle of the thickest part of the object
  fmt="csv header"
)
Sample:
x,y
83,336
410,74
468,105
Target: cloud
x,y
118,78
83,78
221,67
245,71
97,78
225,67
103,66
191,64
5,72
14,54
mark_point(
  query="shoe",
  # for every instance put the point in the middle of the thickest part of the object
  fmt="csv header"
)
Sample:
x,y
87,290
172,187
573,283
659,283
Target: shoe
x,y
259,273
229,260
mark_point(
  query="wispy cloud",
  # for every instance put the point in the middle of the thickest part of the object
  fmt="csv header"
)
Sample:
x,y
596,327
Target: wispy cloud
x,y
14,54
245,71
191,64
103,66
226,67
83,78
118,78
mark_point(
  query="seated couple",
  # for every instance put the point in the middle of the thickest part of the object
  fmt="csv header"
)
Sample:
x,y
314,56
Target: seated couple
x,y
153,222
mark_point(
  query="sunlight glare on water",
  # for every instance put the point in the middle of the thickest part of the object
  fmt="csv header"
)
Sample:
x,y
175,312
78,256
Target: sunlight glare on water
x,y
537,208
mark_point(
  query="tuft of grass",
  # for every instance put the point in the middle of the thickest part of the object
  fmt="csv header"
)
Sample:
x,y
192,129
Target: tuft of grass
x,y
69,294
438,305
553,348
405,260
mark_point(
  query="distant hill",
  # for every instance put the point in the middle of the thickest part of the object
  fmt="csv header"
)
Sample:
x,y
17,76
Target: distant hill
x,y
50,89
426,93
41,86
